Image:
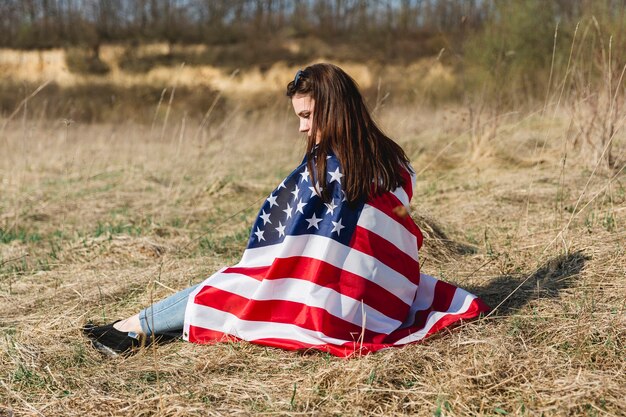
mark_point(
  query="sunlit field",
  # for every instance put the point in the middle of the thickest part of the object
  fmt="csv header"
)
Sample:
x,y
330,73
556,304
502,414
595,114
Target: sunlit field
x,y
98,220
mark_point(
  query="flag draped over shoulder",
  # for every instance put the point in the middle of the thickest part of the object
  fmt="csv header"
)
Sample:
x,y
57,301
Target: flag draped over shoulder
x,y
337,277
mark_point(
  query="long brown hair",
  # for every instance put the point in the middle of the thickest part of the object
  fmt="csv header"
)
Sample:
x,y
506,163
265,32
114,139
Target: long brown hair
x,y
371,162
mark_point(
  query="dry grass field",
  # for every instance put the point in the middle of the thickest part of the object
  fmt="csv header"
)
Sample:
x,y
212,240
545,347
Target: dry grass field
x,y
98,220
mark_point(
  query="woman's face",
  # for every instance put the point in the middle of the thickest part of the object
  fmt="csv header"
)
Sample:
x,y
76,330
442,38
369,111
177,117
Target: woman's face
x,y
303,106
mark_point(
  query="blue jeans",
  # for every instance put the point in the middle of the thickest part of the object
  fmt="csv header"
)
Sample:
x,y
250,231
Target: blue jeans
x,y
166,316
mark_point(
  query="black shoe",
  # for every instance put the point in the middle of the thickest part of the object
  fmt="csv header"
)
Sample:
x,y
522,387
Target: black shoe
x,y
110,341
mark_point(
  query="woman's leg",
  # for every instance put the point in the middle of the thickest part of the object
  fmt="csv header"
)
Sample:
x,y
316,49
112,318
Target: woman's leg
x,y
164,317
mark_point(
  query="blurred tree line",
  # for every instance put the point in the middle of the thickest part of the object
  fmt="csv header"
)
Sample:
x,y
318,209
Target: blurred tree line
x,y
58,23
510,52
54,23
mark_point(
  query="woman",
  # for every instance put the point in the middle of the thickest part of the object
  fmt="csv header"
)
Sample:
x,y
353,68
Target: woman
x,y
332,260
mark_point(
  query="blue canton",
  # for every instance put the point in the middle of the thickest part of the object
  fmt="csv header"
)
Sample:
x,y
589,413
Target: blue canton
x,y
295,208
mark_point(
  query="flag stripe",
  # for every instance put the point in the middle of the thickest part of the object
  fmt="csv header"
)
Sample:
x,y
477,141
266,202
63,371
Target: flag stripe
x,y
439,319
388,228
442,297
386,253
341,256
214,318
412,180
302,292
330,276
346,349
404,193
386,204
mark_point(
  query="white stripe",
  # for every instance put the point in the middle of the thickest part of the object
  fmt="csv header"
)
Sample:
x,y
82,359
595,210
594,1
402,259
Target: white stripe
x,y
213,319
304,292
460,304
380,223
190,310
336,254
402,196
423,298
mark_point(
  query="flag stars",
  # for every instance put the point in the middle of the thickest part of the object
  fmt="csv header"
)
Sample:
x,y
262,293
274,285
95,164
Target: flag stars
x,y
280,229
330,207
313,221
305,175
259,234
272,200
335,175
317,190
288,211
295,192
281,185
266,218
337,226
300,207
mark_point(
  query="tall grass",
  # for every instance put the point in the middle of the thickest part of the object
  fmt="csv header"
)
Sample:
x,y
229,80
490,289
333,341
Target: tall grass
x,y
101,219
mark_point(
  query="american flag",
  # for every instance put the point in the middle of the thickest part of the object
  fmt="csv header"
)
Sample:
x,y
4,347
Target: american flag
x,y
338,277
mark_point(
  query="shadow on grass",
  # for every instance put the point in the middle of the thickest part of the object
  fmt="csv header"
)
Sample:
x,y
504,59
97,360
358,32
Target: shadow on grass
x,y
548,281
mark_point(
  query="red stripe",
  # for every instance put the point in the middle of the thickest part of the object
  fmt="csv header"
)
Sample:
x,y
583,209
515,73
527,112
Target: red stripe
x,y
201,335
329,276
372,244
408,183
476,307
386,203
281,311
444,293
349,349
